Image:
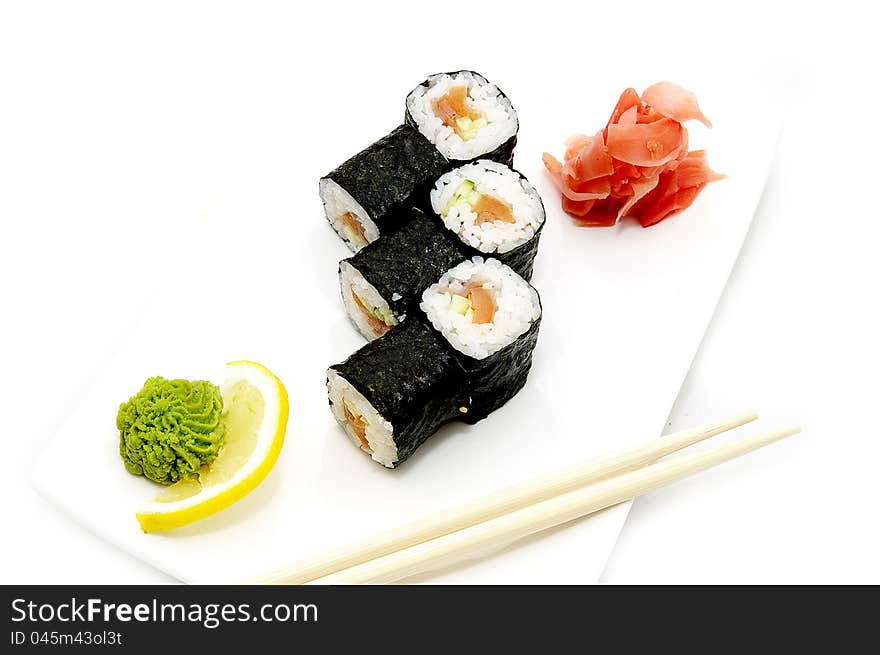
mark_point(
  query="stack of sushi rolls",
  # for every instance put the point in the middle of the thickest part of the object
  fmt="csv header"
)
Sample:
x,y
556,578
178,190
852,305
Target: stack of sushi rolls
x,y
484,208
451,119
445,234
464,354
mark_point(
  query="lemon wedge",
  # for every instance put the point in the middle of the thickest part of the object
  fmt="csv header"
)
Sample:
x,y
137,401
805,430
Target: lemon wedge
x,y
255,408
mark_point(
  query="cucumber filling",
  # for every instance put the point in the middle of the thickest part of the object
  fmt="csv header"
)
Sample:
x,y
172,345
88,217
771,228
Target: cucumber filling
x,y
469,128
384,314
466,193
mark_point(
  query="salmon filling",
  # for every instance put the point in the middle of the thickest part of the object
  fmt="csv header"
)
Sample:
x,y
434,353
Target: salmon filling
x,y
491,209
358,426
476,303
354,226
487,208
378,326
452,108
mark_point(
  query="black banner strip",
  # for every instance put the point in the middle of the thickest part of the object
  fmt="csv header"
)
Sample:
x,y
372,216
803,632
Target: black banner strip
x,y
173,619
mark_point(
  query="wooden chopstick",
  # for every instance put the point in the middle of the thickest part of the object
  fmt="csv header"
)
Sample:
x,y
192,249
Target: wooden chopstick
x,y
546,514
496,504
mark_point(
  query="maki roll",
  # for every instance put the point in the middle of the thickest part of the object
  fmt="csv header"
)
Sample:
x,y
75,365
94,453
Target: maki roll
x,y
364,197
395,392
490,316
494,210
464,355
383,282
465,116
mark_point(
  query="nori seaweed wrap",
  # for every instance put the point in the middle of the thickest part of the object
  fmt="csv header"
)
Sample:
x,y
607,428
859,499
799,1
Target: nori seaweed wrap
x,y
499,377
522,258
364,197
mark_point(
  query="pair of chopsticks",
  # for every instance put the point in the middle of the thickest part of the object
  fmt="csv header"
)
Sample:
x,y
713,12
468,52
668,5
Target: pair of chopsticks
x,y
522,509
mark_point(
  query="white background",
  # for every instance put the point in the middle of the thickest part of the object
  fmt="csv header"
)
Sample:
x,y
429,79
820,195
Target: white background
x,y
794,336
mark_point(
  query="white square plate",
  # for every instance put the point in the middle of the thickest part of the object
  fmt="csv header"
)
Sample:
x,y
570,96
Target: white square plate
x,y
624,311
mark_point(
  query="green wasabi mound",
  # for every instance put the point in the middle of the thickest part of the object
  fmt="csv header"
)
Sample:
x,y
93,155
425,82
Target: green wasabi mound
x,y
170,429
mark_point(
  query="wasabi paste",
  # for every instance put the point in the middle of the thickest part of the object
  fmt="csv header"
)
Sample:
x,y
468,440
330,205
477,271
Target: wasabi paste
x,y
170,429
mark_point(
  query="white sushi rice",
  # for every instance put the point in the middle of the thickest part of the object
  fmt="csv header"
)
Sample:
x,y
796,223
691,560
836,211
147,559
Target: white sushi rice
x,y
516,307
351,281
500,182
483,97
337,203
379,433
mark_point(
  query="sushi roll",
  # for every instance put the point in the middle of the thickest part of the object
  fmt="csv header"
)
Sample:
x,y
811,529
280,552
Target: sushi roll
x,y
465,116
490,316
463,356
493,209
383,282
364,197
395,392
